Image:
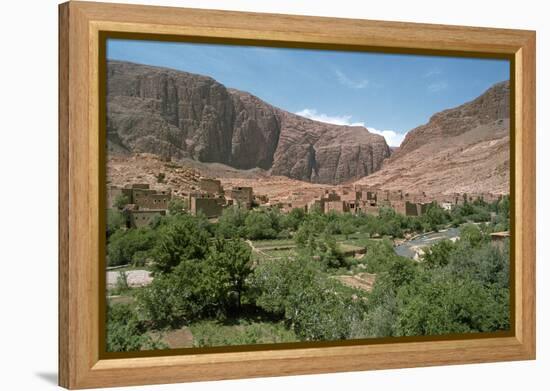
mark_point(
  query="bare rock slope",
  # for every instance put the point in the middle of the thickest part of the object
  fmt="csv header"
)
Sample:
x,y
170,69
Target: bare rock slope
x,y
464,149
183,115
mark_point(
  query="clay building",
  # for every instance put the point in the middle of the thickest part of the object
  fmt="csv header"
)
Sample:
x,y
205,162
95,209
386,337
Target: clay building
x,y
140,186
212,186
336,207
352,206
350,196
319,203
415,197
115,192
315,205
415,208
208,204
370,197
396,195
369,209
141,195
330,196
400,207
242,196
151,199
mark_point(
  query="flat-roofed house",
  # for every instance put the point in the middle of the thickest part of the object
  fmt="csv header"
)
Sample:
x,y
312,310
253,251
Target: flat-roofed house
x,y
115,192
209,185
210,205
242,196
336,206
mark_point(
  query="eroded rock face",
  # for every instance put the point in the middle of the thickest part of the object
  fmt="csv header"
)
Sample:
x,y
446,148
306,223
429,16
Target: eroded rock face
x,y
183,115
490,108
465,149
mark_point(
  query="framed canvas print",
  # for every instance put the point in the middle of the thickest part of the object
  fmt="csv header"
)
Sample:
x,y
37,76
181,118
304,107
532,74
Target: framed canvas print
x,y
247,195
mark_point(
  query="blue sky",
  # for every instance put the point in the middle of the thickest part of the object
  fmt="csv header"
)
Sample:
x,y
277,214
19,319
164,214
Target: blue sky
x,y
389,94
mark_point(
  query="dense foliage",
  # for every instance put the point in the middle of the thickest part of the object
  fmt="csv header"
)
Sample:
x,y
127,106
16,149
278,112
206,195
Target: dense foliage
x,y
456,288
315,306
210,285
125,333
205,273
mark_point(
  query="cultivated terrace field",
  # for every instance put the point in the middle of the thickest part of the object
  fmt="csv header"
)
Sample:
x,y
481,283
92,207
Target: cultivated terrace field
x,y
261,276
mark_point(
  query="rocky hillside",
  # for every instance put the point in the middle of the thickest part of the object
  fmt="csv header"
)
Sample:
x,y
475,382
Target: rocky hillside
x,y
183,115
464,149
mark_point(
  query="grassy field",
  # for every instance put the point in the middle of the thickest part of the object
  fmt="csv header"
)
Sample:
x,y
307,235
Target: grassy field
x,y
273,243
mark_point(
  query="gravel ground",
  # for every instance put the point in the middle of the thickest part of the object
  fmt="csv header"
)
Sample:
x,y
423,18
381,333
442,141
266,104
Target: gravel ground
x,y
135,277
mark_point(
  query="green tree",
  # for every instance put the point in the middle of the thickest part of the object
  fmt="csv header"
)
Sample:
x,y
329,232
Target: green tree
x,y
471,234
179,237
314,306
177,206
435,216
438,254
231,223
121,201
189,292
125,333
123,244
115,221
230,260
292,220
259,225
446,305
503,207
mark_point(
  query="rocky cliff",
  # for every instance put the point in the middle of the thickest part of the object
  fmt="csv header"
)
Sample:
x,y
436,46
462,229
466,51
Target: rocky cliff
x,y
464,149
183,115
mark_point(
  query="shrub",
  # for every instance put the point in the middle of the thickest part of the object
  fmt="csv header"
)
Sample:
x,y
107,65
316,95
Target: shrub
x,y
198,288
178,238
177,206
121,284
125,333
123,244
445,305
229,260
260,225
121,201
115,221
312,304
231,223
181,296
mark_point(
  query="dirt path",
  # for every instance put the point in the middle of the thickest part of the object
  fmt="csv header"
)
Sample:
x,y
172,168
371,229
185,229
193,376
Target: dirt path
x,y
136,278
256,249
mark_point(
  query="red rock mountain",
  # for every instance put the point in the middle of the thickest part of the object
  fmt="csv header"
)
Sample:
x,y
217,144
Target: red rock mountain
x,y
183,115
464,149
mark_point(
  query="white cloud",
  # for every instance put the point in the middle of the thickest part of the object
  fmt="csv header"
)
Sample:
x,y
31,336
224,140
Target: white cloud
x,y
437,86
393,138
330,119
346,81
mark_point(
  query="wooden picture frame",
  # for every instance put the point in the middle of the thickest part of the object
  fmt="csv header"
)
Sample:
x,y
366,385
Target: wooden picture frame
x,y
81,161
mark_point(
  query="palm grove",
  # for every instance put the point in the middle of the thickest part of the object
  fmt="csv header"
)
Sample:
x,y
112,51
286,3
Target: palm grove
x,y
207,277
